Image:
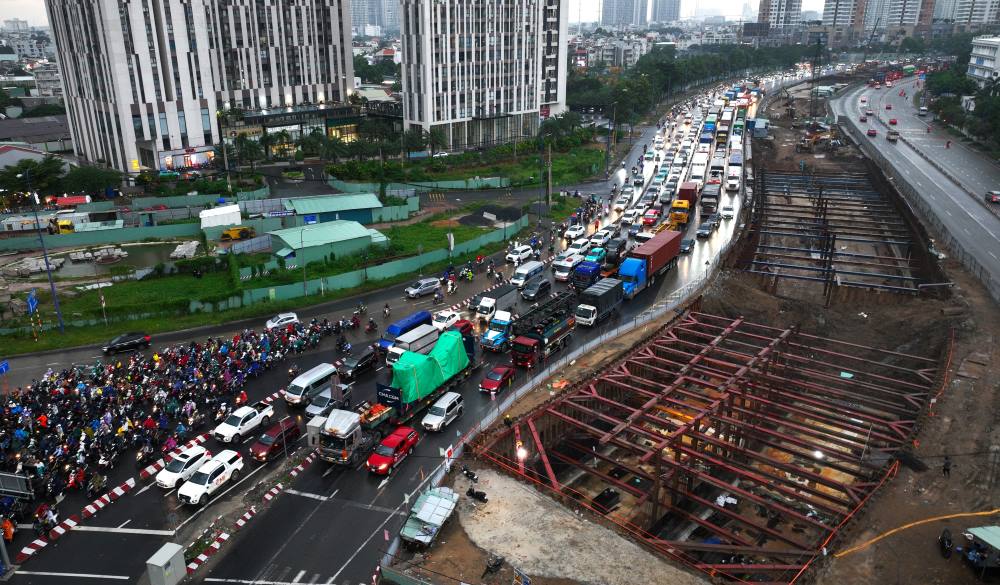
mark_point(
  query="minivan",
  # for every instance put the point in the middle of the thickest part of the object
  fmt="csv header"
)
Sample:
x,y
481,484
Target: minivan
x,y
526,272
309,384
446,409
278,439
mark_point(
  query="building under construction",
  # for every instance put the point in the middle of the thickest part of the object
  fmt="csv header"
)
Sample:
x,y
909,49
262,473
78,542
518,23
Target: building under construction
x,y
735,448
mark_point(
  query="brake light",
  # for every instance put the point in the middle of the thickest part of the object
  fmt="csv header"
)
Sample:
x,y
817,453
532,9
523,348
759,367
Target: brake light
x,y
146,337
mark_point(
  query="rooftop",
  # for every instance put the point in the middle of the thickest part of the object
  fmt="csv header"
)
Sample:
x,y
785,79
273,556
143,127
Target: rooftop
x,y
320,234
333,203
32,130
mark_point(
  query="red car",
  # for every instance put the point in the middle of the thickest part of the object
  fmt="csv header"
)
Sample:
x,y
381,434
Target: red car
x,y
872,132
651,217
892,121
888,106
392,450
498,377
863,118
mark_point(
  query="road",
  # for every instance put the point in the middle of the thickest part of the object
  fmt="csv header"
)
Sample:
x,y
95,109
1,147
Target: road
x,y
331,525
969,222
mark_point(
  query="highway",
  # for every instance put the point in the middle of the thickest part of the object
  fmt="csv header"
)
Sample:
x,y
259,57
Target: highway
x,y
331,525
968,221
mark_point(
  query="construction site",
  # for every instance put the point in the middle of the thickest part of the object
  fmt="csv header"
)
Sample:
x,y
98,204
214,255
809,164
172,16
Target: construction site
x,y
778,428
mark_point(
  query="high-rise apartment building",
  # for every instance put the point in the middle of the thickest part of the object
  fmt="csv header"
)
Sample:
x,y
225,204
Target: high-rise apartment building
x,y
780,13
381,13
843,13
15,25
143,80
976,11
666,10
624,12
984,62
484,71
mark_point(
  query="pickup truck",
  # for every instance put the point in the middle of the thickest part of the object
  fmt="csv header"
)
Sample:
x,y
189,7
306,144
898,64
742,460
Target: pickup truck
x,y
243,421
210,477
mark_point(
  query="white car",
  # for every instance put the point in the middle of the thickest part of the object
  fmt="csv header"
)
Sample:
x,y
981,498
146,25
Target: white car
x,y
622,203
519,254
210,477
575,231
281,319
443,412
242,421
579,247
182,466
445,319
631,216
601,237
727,212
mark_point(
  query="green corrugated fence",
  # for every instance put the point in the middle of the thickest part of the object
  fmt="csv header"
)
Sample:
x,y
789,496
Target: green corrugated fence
x,y
102,237
467,184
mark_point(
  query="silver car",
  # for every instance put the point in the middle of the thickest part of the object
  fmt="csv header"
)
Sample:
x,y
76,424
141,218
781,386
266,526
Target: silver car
x,y
423,287
321,404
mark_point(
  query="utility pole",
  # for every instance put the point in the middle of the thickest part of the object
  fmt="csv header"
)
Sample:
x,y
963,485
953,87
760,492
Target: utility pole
x,y
45,251
611,137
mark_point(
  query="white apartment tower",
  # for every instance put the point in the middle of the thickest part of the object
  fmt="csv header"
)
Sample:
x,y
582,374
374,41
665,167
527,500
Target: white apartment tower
x,y
780,13
841,13
976,11
143,79
624,12
484,71
666,10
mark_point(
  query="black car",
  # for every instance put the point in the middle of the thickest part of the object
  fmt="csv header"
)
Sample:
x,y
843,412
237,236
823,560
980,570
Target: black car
x,y
127,342
687,245
354,365
616,248
536,288
634,229
704,230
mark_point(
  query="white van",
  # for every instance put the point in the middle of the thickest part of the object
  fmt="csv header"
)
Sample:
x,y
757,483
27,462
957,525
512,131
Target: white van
x,y
419,340
525,272
309,384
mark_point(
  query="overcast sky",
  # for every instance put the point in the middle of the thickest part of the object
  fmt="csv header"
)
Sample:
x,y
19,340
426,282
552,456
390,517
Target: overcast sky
x,y
588,10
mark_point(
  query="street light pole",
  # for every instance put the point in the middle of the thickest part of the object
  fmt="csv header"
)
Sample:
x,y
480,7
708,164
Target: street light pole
x,y
611,137
45,252
302,248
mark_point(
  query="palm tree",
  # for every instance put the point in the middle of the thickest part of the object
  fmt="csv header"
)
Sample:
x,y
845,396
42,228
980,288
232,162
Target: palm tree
x,y
437,139
332,148
267,142
282,139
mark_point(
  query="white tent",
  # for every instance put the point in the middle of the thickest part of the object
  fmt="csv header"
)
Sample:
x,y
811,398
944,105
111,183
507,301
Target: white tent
x,y
226,215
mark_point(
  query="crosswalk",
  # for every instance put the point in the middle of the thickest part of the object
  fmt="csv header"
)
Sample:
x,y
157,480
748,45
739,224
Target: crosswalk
x,y
285,575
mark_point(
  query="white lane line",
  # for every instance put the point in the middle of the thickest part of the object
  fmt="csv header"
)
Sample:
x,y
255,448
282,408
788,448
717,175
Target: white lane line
x,y
329,470
948,212
75,575
109,529
994,256
307,495
122,525
299,576
219,497
148,486
248,440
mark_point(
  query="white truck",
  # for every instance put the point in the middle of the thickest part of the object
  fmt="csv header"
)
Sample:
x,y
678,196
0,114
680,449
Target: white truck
x,y
501,298
243,421
210,477
419,340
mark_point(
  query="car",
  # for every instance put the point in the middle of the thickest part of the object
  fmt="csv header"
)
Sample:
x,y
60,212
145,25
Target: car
x,y
621,204
888,84
536,288
633,230
579,247
727,212
519,253
631,216
444,319
278,439
888,106
871,132
393,449
602,237
497,379
574,231
243,420
651,217
443,412
687,245
353,366
892,121
596,255
869,112
281,320
704,230
127,342
863,118
993,196
320,405
210,477
423,287
864,100
182,466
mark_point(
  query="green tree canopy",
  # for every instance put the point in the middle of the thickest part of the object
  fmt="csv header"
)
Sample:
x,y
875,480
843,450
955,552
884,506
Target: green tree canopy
x,y
91,180
46,176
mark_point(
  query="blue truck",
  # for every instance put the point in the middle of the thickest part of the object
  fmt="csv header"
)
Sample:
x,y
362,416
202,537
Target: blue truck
x,y
497,335
643,264
585,274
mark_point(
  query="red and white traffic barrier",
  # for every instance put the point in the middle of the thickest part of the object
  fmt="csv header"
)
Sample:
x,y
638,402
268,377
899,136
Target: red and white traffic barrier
x,y
158,465
305,463
98,504
273,397
273,492
209,552
63,527
33,547
242,520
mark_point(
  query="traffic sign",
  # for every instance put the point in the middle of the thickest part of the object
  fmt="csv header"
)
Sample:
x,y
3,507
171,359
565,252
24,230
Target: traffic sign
x,y
32,302
520,578
4,367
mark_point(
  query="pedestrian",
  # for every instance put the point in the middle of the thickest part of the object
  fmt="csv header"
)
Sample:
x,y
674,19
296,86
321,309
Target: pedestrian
x,y
947,144
507,421
946,467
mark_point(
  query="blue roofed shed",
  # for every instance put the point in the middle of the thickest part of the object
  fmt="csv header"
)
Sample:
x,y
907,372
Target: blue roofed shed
x,y
316,242
355,207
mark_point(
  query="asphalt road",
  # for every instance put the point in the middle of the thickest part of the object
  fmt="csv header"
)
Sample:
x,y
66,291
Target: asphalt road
x,y
969,222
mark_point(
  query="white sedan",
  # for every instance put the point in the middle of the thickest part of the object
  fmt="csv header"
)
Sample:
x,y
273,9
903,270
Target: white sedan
x,y
575,231
519,254
282,319
622,203
631,216
445,319
601,237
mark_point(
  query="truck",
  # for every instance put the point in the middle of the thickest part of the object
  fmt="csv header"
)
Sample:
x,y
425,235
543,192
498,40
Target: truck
x,y
347,436
585,274
599,301
688,191
648,261
419,340
242,421
407,323
892,135
680,212
543,330
497,334
710,198
502,298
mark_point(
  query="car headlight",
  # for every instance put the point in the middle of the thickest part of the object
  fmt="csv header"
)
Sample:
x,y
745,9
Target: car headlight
x,y
383,467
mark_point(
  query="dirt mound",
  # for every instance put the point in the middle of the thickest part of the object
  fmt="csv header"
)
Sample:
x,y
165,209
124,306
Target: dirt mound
x,y
502,214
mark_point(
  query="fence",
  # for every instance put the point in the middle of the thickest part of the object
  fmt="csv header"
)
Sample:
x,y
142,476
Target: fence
x,y
260,225
467,184
258,244
922,209
200,200
102,237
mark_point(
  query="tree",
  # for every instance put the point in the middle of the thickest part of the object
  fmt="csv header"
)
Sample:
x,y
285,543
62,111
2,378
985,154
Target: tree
x,y
310,143
46,175
912,45
414,139
333,148
437,139
91,180
44,110
267,142
248,150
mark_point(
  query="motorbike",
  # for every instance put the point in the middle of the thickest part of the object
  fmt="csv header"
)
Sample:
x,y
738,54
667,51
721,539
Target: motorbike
x,y
344,347
108,459
95,486
471,475
372,326
477,495
144,456
293,371
361,309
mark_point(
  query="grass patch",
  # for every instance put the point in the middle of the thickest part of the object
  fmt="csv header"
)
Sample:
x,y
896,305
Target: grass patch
x,y
567,167
430,234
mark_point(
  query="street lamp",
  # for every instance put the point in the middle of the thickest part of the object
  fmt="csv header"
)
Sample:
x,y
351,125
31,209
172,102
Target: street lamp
x,y
45,252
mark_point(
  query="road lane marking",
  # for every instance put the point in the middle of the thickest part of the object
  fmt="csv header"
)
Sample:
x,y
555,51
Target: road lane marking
x,y
994,256
75,575
111,530
122,525
307,495
299,576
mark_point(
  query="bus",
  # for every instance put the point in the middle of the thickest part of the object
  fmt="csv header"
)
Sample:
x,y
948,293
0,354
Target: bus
x,y
909,70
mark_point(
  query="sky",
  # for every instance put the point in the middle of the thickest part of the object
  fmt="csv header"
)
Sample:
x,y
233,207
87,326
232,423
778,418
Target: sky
x,y
587,10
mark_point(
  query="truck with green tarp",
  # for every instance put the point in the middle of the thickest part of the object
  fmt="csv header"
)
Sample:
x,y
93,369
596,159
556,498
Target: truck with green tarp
x,y
417,380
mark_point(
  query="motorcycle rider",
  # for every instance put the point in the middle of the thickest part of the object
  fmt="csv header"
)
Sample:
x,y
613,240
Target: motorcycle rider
x,y
372,325
385,310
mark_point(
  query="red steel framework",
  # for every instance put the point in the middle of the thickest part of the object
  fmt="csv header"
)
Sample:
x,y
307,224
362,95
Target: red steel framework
x,y
737,448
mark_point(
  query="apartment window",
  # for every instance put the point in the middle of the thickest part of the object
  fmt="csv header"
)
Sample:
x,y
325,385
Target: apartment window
x,y
164,131
182,122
